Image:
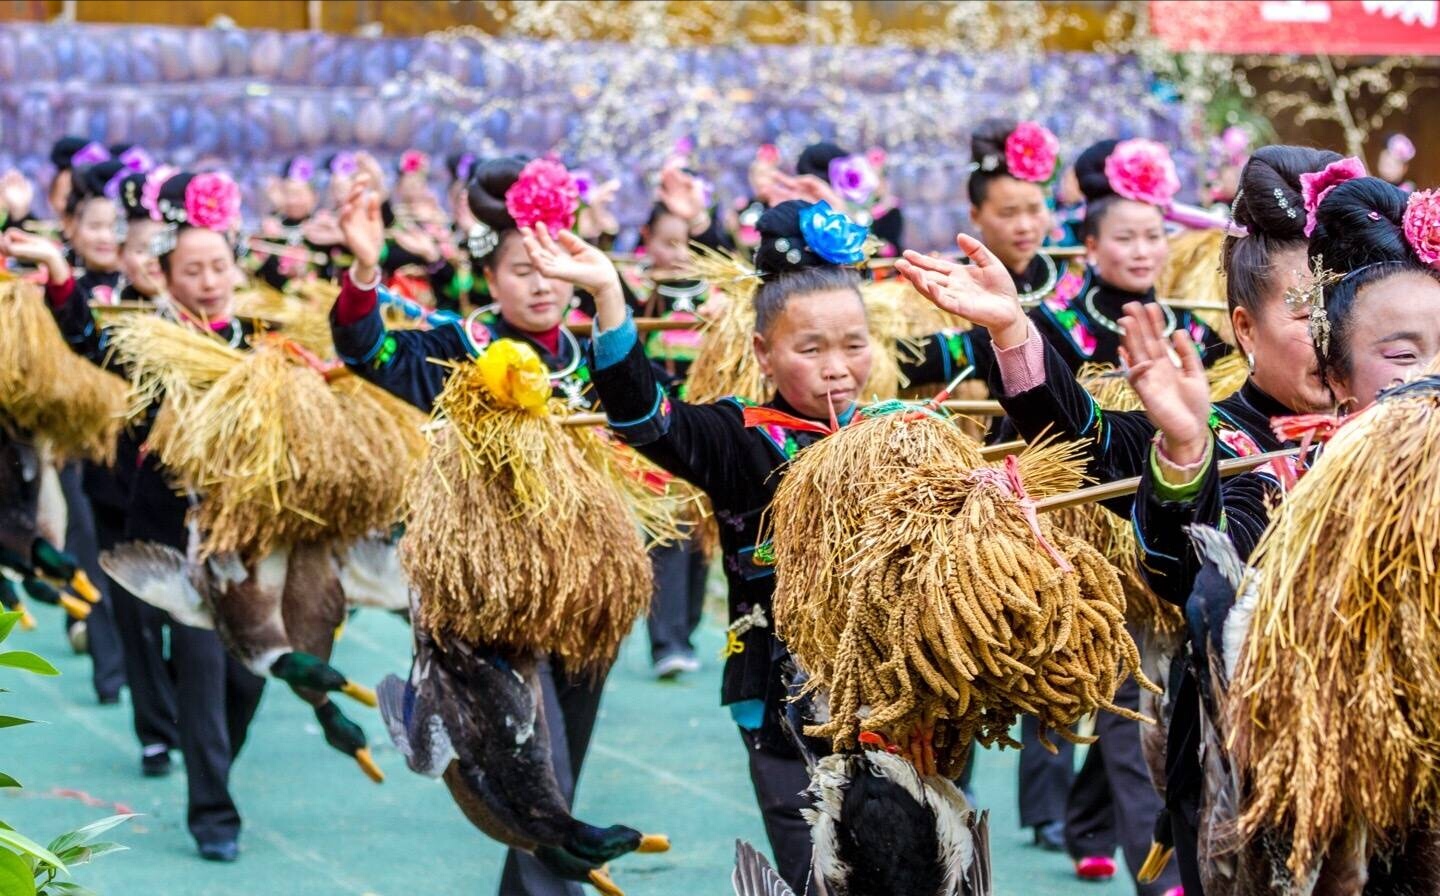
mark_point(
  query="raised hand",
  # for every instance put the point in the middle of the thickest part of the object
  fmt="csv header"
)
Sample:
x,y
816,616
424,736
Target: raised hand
x,y
681,193
38,251
418,243
1176,395
362,228
17,193
567,257
323,229
982,292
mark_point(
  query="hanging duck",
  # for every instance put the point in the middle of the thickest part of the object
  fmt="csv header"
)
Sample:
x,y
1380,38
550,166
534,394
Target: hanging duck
x,y
474,717
32,521
279,615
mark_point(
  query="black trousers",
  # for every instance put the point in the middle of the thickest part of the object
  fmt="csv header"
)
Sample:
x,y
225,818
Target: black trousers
x,y
571,704
216,697
780,783
680,572
1113,801
107,663
141,629
1045,778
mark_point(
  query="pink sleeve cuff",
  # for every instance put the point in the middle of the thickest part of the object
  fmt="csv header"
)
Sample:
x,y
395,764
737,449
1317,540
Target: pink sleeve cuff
x,y
1022,367
355,302
59,293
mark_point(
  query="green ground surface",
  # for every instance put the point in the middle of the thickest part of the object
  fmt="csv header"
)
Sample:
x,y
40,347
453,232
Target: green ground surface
x,y
665,758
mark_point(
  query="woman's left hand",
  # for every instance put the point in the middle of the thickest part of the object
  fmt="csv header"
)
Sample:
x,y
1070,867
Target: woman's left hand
x,y
567,257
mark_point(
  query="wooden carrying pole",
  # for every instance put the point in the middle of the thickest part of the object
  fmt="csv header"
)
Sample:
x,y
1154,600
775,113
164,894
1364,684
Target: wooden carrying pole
x,y
1122,487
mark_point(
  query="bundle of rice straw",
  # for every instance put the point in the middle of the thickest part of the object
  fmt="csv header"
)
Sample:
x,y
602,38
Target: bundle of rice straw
x,y
514,540
48,391
726,364
167,361
925,601
1193,272
919,316
667,508
1334,709
279,452
301,320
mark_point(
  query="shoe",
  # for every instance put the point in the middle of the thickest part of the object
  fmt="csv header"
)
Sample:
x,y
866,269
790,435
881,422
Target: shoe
x,y
1098,868
1050,836
79,638
220,851
156,764
672,666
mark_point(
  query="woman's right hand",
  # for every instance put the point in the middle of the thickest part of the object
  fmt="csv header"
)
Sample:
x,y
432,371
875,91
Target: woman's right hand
x,y
982,292
38,251
363,229
1176,397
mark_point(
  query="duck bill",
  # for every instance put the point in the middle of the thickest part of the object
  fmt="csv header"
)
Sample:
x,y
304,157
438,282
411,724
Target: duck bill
x,y
368,766
76,607
80,584
359,693
654,843
600,879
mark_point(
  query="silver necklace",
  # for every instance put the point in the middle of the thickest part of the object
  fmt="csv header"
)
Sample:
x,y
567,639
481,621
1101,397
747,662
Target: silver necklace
x,y
1052,276
1114,327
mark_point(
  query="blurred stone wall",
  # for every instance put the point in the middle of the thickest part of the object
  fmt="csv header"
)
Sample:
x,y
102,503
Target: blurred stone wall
x,y
248,99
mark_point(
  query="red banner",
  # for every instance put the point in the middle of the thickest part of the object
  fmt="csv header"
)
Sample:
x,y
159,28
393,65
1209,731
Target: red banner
x,y
1342,27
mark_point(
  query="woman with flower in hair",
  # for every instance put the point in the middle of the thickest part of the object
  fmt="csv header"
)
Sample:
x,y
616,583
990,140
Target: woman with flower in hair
x,y
1371,302
215,695
529,306
855,178
812,341
299,232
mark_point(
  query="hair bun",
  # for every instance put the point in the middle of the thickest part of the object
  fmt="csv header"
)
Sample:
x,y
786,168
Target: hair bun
x,y
816,158
987,144
1269,201
98,180
1360,222
489,180
782,245
1090,170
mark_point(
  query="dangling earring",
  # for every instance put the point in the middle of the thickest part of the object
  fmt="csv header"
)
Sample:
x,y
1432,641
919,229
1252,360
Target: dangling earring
x,y
1250,361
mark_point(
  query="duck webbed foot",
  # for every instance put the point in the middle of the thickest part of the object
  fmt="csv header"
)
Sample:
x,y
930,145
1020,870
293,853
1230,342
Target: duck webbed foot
x,y
304,670
347,737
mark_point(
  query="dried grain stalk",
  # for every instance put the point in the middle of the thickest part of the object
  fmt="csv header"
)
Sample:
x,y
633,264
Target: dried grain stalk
x,y
48,391
514,540
1334,709
913,589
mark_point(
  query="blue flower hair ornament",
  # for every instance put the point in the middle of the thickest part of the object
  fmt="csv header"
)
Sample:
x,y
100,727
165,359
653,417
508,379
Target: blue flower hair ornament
x,y
831,235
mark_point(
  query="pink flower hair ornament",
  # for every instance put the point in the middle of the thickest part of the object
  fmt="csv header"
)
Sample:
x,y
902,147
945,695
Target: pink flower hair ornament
x,y
150,191
413,160
1315,187
1031,152
1421,225
212,201
1142,170
544,193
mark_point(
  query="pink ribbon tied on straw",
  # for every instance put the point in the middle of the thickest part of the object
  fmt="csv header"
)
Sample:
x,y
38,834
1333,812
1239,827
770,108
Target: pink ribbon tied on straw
x,y
1007,480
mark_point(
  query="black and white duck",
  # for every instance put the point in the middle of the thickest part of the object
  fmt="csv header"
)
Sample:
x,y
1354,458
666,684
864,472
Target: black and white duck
x,y
475,718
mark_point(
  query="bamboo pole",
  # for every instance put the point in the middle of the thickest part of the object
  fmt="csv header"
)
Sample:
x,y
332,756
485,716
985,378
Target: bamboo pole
x,y
1122,487
976,408
296,253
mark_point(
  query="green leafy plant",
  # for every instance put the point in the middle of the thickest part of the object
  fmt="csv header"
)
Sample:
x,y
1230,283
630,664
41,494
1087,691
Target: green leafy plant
x,y
26,867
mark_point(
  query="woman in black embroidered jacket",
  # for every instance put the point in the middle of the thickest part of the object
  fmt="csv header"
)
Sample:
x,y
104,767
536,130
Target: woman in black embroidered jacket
x,y
812,343
1375,325
1036,386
